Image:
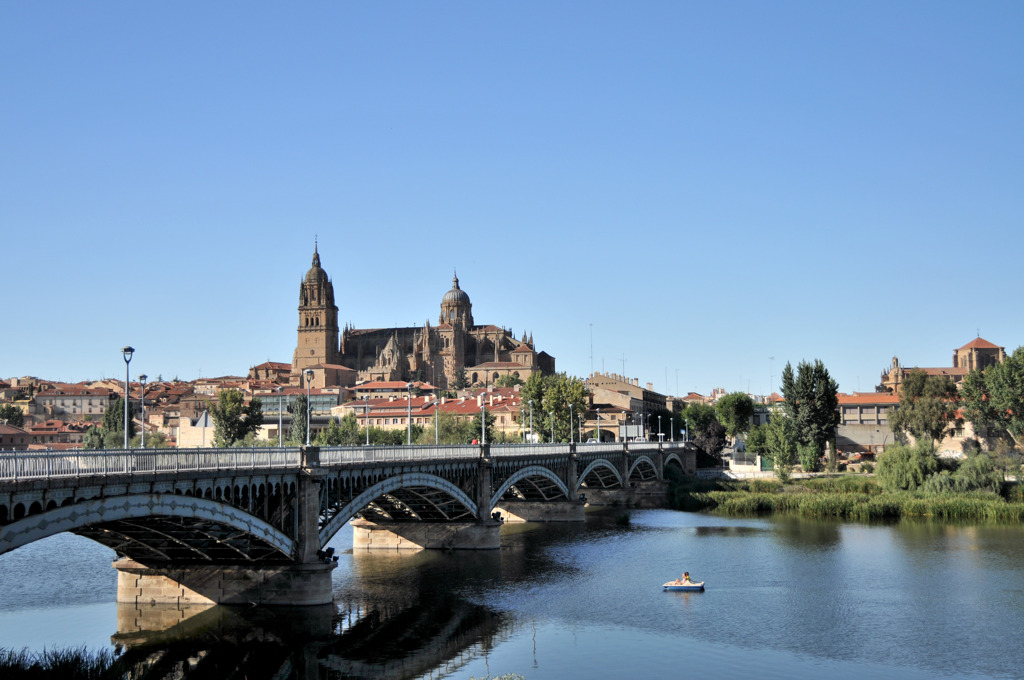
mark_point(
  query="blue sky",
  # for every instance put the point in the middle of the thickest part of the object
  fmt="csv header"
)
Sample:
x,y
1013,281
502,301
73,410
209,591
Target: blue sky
x,y
696,186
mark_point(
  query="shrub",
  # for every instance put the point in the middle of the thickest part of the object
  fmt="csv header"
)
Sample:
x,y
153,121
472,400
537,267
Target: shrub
x,y
902,467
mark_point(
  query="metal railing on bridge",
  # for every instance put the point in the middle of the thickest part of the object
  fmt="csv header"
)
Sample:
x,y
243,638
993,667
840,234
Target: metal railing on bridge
x,y
528,449
338,455
20,466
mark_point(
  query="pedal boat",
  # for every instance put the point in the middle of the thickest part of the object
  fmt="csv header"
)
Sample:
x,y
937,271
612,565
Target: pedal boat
x,y
686,587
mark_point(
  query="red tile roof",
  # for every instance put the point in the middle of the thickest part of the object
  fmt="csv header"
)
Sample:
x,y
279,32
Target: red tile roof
x,y
868,398
980,343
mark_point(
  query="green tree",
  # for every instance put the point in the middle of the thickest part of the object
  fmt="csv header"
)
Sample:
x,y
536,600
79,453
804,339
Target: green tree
x,y
757,440
552,395
461,382
508,381
902,467
297,432
704,429
154,440
781,446
341,432
113,424
233,419
450,429
12,415
92,439
734,411
927,408
995,396
812,402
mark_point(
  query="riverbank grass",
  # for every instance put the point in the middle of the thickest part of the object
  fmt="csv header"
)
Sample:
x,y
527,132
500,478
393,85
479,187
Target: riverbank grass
x,y
844,497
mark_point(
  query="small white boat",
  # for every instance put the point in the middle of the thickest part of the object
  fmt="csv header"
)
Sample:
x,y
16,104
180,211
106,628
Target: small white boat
x,y
687,586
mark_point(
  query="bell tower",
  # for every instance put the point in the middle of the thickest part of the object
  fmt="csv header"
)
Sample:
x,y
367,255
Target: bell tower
x,y
318,320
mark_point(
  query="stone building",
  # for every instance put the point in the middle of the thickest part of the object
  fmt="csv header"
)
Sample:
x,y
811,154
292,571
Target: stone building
x,y
431,353
977,354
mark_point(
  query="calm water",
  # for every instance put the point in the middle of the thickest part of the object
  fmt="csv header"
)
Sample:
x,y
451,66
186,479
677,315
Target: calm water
x,y
786,598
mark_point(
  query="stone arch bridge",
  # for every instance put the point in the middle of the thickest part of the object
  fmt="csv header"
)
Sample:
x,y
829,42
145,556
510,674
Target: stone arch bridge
x,y
252,525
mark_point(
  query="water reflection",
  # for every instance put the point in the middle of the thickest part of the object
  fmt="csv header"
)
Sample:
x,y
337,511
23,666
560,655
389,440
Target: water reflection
x,y
398,617
787,598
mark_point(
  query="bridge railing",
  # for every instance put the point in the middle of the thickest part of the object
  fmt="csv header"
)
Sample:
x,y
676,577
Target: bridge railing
x,y
332,455
528,449
636,447
27,465
602,446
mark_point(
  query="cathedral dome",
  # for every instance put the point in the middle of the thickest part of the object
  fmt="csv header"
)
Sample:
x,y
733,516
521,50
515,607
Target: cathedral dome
x,y
456,296
315,274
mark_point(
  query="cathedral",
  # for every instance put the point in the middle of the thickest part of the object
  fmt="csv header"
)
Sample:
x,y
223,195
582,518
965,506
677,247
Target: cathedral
x,y
437,354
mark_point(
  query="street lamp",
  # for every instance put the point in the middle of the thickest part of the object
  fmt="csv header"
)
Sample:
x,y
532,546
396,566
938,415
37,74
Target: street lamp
x,y
408,386
142,380
571,421
659,427
552,414
280,423
366,416
531,420
127,352
672,428
483,422
309,379
598,437
437,419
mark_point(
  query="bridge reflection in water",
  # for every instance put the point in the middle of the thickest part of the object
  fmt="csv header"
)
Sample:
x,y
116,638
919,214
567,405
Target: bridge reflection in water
x,y
394,621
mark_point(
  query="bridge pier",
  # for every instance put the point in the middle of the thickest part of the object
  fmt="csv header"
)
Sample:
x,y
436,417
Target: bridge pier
x,y
384,535
204,584
541,511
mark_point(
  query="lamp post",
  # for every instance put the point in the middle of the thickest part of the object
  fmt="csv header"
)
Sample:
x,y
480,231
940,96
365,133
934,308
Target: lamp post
x,y
309,379
552,414
483,423
366,416
659,427
672,428
531,421
437,420
280,418
598,437
126,352
142,381
408,387
571,421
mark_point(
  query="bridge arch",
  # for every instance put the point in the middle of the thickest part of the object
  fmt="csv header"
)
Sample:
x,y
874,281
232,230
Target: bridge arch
x,y
645,467
525,473
412,483
137,526
674,458
606,473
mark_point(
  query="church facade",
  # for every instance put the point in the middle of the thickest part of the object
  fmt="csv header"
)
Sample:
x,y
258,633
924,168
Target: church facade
x,y
438,354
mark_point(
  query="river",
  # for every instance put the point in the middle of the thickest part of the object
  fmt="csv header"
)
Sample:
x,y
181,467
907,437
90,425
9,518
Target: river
x,y
786,598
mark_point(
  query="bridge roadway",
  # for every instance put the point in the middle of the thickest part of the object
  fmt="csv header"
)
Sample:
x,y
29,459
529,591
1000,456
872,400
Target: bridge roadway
x,y
252,525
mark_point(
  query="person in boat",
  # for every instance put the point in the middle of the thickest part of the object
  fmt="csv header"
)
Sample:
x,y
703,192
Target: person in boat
x,y
686,578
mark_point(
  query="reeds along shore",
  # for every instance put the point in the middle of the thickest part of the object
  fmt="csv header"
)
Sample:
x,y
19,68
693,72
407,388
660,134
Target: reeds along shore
x,y
66,664
856,498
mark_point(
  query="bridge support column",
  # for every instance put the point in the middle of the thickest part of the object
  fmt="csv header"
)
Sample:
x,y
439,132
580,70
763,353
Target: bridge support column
x,y
612,496
286,584
541,511
381,535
